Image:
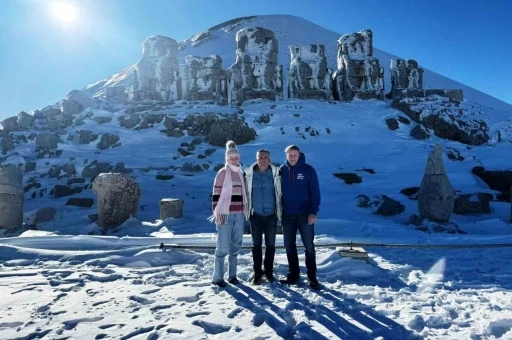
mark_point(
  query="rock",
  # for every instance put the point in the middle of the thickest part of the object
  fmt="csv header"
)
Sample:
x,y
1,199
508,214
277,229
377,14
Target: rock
x,y
70,108
359,74
83,98
170,123
94,169
390,207
158,71
54,171
44,215
86,136
472,204
7,142
77,180
196,141
47,141
184,152
349,178
25,120
118,198
419,132
392,124
69,169
102,120
447,118
120,168
263,119
436,195
454,155
164,177
80,202
411,192
63,191
107,140
129,121
309,77
230,128
171,207
11,197
30,166
116,93
10,124
189,167
93,217
255,73
431,227
150,119
209,152
500,180
204,79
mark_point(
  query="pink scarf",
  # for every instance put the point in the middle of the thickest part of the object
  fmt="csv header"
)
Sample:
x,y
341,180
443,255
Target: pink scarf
x,y
221,212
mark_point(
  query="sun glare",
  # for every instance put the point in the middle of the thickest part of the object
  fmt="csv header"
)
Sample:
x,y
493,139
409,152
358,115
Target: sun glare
x,y
63,11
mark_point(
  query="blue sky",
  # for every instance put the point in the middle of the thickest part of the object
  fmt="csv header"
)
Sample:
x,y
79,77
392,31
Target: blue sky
x,y
42,58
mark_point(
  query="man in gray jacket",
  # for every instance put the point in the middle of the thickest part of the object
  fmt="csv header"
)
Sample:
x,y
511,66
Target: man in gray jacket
x,y
263,183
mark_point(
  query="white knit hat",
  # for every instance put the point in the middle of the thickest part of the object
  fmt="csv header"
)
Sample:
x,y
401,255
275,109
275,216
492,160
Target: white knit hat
x,y
231,149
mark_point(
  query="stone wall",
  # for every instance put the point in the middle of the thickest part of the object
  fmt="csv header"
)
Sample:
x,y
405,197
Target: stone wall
x,y
255,73
309,77
359,73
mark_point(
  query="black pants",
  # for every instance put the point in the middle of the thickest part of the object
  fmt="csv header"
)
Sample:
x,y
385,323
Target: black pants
x,y
268,226
292,223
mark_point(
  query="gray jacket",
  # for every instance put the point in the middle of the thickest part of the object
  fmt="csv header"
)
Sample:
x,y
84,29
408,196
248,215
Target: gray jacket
x,y
277,186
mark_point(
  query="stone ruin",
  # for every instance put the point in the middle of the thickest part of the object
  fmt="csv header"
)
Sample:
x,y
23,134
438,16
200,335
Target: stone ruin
x,y
359,74
11,197
309,77
407,82
204,79
118,197
157,73
255,74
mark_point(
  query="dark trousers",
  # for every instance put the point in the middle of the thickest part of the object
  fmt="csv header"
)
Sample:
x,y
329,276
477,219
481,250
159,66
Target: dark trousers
x,y
292,223
268,226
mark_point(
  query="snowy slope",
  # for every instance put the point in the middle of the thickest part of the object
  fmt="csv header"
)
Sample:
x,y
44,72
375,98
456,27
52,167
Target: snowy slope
x,y
292,30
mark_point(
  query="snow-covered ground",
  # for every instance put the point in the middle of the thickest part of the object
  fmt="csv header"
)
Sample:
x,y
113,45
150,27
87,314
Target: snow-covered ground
x,y
60,283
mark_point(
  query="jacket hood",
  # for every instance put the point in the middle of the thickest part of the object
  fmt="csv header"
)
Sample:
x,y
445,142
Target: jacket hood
x,y
301,161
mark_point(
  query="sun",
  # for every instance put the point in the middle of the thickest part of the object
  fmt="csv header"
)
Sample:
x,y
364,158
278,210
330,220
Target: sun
x,y
63,11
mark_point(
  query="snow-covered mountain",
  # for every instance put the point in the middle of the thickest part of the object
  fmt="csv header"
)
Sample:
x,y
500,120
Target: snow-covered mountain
x,y
63,276
292,30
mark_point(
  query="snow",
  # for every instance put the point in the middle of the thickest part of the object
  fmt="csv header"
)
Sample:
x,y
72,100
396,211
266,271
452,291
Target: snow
x,y
60,282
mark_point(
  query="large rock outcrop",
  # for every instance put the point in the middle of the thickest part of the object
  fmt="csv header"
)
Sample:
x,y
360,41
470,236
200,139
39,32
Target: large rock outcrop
x,y
436,195
83,98
309,77
11,197
448,118
255,73
204,79
118,198
359,74
157,73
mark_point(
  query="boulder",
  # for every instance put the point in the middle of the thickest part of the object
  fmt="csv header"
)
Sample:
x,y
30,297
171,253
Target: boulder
x,y
25,120
92,170
447,118
499,180
349,178
230,128
47,141
10,124
118,198
70,108
83,98
80,202
419,132
6,142
171,207
107,140
472,204
44,215
436,195
11,196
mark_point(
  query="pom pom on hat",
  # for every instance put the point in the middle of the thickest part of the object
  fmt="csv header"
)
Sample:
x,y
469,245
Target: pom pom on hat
x,y
231,149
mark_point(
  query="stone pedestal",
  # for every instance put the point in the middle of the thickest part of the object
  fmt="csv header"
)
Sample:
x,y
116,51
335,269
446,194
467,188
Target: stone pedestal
x,y
118,198
171,207
11,197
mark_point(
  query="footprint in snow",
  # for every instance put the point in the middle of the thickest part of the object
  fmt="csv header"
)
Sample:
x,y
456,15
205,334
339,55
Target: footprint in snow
x,y
211,328
194,298
191,315
136,332
100,302
235,312
111,325
151,291
70,324
141,300
10,324
159,307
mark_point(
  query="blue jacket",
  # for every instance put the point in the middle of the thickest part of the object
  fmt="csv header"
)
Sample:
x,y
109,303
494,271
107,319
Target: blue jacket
x,y
300,187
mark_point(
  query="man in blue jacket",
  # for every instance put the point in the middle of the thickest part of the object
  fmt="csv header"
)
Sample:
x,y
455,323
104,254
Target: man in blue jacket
x,y
300,204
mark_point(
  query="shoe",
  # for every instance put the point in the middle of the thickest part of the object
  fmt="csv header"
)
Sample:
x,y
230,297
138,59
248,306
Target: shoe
x,y
257,279
290,280
234,281
313,282
269,276
220,283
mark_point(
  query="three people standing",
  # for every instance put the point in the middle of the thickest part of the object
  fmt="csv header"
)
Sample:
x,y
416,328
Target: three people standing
x,y
290,193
